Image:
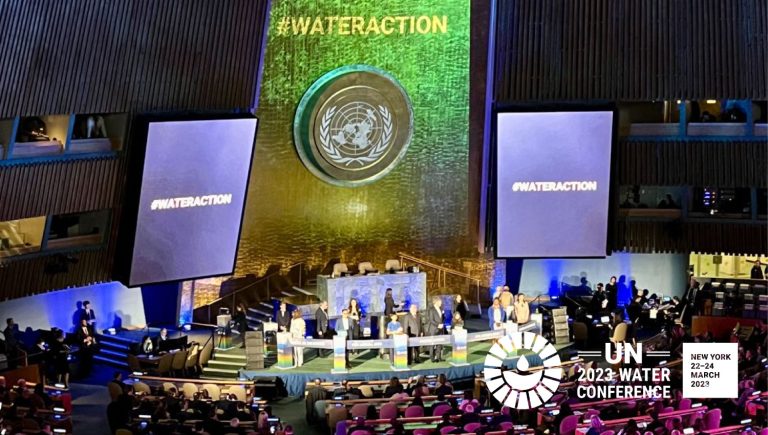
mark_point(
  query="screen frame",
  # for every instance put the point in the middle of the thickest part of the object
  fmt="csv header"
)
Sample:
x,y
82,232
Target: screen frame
x,y
135,159
548,107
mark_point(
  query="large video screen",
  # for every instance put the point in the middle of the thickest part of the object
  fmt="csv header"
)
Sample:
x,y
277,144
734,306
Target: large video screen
x,y
193,187
553,183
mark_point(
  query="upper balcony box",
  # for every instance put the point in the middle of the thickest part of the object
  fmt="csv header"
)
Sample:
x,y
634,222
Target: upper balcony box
x,y
40,136
95,133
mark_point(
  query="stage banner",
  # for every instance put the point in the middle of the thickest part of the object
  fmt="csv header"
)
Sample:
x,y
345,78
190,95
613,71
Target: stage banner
x,y
459,347
340,352
369,344
485,335
363,135
400,347
284,350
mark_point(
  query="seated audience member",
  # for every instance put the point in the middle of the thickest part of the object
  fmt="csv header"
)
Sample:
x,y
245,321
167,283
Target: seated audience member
x,y
446,421
455,410
394,387
596,426
443,386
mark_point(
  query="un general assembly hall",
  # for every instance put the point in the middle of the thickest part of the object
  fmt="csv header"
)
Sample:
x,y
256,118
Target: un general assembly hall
x,y
384,217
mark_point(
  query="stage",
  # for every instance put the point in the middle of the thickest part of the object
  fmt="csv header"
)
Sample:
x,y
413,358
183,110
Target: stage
x,y
369,366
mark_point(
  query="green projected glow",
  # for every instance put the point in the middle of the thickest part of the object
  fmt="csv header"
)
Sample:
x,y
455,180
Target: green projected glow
x,y
421,205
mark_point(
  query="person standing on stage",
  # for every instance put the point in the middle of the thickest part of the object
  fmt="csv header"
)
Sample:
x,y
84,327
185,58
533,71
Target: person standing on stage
x,y
507,300
88,314
436,326
389,309
496,315
355,314
756,272
522,310
460,307
87,343
321,320
298,329
412,327
611,294
59,352
10,334
284,318
346,324
393,328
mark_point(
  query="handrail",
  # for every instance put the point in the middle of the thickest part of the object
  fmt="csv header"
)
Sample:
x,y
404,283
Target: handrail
x,y
435,266
265,277
444,270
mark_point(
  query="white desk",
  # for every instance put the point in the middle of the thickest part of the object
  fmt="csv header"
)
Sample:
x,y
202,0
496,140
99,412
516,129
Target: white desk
x,y
369,290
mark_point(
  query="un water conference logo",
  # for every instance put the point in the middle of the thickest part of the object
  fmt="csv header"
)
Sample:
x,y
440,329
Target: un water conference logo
x,y
522,387
353,125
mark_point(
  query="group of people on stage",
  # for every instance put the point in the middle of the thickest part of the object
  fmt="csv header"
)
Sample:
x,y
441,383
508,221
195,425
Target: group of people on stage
x,y
507,306
411,323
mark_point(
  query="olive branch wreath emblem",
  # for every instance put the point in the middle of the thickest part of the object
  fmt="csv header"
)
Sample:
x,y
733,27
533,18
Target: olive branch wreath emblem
x,y
375,152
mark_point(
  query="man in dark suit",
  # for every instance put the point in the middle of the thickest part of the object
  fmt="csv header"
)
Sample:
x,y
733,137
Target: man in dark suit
x,y
88,315
435,326
412,327
283,318
611,294
321,321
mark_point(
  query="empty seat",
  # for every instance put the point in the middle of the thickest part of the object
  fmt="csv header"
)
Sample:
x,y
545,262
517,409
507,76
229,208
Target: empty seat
x,y
392,266
338,269
365,267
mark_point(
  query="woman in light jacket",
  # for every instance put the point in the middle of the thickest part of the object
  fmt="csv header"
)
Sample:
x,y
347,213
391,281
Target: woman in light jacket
x,y
298,329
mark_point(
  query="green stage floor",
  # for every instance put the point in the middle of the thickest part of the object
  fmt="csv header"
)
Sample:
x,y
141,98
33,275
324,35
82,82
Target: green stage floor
x,y
369,361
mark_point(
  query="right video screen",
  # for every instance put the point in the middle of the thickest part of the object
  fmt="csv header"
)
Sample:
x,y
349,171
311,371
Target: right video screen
x,y
553,177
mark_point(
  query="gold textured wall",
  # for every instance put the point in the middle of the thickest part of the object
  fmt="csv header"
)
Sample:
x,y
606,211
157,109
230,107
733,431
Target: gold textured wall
x,y
421,207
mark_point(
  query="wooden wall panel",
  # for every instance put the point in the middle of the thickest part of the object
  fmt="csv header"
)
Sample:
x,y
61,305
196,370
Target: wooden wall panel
x,y
86,56
57,187
26,276
631,50
693,163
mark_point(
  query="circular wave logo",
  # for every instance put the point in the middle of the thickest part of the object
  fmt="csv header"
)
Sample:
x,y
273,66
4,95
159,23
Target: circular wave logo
x,y
353,125
522,387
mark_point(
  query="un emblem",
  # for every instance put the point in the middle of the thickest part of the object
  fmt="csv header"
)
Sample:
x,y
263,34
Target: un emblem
x,y
353,125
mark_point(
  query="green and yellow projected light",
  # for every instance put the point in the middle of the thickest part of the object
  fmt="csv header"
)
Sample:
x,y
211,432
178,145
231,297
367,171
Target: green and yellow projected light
x,y
364,114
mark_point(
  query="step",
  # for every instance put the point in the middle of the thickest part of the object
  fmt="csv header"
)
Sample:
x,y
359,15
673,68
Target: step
x,y
253,319
267,304
213,364
114,338
225,373
112,354
229,356
301,290
115,346
287,294
263,313
110,361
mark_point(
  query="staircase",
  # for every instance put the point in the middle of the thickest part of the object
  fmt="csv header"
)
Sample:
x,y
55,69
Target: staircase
x,y
113,350
225,364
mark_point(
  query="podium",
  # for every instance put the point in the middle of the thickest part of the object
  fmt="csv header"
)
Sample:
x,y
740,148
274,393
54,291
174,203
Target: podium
x,y
400,349
459,347
340,353
284,351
